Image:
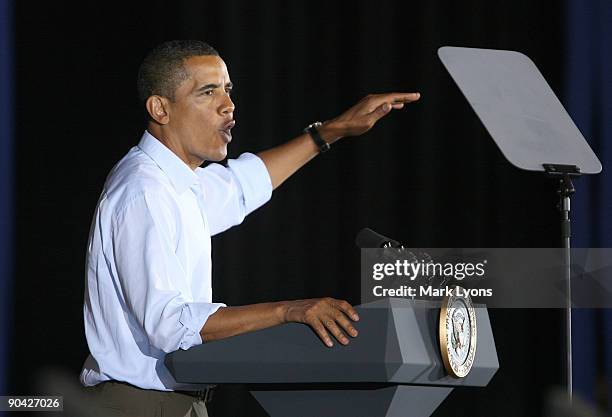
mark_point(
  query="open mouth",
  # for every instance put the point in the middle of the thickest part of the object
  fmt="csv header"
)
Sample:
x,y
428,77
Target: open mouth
x,y
226,130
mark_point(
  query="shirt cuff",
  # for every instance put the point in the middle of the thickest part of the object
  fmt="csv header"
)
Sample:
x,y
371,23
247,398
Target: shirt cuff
x,y
254,180
193,317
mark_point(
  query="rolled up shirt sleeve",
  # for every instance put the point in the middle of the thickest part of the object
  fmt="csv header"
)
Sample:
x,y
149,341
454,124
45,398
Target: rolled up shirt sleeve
x,y
233,192
150,278
193,317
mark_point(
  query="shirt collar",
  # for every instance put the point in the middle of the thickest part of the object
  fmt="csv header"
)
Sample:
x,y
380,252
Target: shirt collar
x,y
181,176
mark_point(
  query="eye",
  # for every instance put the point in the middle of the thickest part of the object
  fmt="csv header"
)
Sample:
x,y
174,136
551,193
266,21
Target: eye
x,y
209,92
229,91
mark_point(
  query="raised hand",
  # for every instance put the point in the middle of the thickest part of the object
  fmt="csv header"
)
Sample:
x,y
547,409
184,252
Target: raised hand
x,y
363,116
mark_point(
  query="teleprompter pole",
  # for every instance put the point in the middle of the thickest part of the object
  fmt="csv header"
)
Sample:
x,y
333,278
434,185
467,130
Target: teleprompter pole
x,y
564,173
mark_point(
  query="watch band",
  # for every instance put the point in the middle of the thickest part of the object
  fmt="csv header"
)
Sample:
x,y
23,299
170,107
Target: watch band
x,y
316,136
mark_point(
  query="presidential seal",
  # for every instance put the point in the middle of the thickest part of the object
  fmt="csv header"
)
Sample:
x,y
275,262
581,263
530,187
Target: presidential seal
x,y
457,333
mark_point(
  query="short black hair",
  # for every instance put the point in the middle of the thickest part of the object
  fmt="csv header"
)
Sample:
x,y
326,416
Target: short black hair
x,y
162,70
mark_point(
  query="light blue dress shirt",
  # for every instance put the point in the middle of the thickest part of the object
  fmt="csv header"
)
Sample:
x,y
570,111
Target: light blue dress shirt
x,y
148,271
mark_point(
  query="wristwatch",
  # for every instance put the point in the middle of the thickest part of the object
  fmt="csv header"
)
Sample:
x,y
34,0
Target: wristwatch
x,y
311,129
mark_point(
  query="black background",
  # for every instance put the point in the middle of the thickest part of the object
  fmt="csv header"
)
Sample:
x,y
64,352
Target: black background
x,y
428,175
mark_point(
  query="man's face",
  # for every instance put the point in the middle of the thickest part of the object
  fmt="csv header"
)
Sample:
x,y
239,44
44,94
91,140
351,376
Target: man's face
x,y
202,114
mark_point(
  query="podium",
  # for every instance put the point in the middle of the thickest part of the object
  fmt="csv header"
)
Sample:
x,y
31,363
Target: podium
x,y
393,368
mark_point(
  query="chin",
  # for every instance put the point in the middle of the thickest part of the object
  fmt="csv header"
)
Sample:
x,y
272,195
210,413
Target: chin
x,y
218,156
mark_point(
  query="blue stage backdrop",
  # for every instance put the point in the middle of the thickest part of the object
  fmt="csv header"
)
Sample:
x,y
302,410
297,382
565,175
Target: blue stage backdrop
x,y
6,183
588,97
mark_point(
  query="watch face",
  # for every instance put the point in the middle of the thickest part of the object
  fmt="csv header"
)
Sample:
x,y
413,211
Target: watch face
x,y
457,335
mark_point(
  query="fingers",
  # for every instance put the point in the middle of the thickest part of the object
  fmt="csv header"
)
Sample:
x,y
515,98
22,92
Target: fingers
x,y
346,325
346,308
386,102
337,321
395,99
378,113
403,98
330,316
332,326
360,118
319,329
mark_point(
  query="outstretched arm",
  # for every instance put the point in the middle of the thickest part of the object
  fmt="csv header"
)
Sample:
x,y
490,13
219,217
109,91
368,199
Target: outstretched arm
x,y
284,160
326,316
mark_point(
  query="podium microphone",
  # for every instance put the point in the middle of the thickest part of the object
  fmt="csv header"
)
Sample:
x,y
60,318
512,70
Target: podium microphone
x,y
369,239
393,250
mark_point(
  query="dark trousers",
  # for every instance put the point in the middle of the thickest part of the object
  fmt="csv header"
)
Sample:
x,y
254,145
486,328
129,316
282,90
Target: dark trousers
x,y
117,399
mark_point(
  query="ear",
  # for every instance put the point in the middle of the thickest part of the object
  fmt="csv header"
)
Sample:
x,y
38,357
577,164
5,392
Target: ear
x,y
158,109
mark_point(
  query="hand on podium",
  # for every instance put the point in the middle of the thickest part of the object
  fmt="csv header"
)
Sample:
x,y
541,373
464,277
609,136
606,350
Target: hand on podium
x,y
324,316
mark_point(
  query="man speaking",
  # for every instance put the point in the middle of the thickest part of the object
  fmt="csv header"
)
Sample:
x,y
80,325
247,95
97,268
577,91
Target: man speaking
x,y
148,271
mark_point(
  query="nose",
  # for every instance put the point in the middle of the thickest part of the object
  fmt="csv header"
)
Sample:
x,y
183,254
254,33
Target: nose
x,y
227,106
